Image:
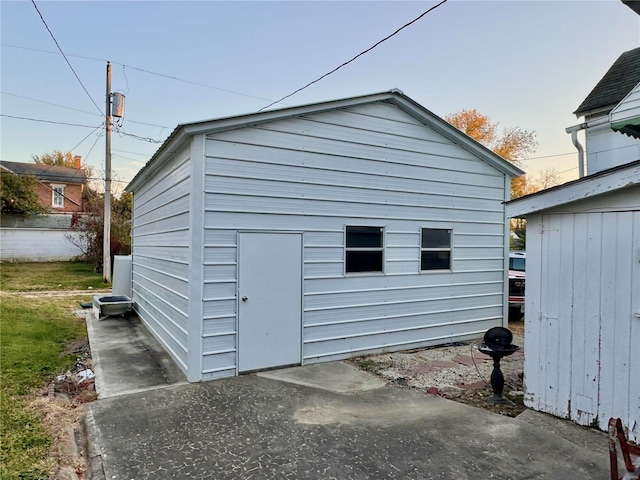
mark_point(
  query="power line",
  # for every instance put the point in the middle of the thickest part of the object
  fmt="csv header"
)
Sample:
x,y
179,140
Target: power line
x,y
64,56
358,55
81,141
77,110
86,157
49,103
171,77
133,153
149,72
119,130
47,121
550,156
129,158
61,178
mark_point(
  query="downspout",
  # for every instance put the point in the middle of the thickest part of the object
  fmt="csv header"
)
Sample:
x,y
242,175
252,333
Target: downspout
x,y
574,138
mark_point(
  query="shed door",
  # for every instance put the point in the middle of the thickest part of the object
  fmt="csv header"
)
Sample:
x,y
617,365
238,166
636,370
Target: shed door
x,y
589,296
270,300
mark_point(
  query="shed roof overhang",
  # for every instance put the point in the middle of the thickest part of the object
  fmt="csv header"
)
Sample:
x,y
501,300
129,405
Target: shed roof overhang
x,y
183,132
600,183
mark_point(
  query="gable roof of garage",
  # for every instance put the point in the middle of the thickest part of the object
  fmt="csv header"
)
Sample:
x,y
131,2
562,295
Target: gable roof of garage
x,y
183,132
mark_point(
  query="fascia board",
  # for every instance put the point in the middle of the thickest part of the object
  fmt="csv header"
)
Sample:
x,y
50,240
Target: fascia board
x,y
584,188
171,145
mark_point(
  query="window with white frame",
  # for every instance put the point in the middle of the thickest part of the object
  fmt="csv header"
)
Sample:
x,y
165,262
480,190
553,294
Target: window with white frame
x,y
57,196
435,249
364,249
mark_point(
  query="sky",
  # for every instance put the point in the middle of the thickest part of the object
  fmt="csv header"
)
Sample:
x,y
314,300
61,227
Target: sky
x,y
526,64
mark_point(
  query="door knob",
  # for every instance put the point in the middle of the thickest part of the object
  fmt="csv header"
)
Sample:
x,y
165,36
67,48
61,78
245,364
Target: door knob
x,y
244,299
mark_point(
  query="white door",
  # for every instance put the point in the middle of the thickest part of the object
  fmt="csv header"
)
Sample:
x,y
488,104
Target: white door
x,y
270,300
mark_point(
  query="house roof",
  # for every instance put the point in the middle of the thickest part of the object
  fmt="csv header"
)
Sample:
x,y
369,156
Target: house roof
x,y
619,80
605,181
46,173
633,5
183,132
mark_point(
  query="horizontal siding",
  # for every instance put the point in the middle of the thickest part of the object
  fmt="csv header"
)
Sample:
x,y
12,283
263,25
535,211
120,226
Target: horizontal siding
x,y
160,253
369,165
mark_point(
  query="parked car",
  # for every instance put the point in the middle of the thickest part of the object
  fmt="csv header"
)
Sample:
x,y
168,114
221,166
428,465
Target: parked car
x,y
517,265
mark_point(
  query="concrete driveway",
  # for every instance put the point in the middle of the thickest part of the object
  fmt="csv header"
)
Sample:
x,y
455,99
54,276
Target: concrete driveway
x,y
327,421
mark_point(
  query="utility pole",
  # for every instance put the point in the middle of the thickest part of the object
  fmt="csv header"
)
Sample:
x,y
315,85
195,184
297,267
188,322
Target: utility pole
x,y
106,245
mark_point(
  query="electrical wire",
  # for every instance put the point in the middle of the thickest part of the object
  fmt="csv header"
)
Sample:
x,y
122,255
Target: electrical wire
x,y
132,153
64,56
62,178
476,365
171,77
118,129
78,110
358,55
550,156
47,121
86,157
81,141
149,72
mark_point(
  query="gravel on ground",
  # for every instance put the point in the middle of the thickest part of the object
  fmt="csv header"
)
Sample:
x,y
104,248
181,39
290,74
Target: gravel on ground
x,y
458,371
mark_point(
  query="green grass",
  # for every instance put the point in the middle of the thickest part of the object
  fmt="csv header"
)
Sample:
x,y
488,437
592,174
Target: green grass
x,y
34,333
29,277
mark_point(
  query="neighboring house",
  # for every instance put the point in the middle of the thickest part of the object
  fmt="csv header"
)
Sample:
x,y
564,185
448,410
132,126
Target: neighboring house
x,y
59,188
44,237
317,233
582,320
619,90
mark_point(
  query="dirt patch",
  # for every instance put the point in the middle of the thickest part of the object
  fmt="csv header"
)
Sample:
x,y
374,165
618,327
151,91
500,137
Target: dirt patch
x,y
62,405
457,371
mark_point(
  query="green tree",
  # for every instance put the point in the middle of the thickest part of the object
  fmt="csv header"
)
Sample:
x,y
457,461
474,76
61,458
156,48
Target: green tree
x,y
57,157
18,195
61,159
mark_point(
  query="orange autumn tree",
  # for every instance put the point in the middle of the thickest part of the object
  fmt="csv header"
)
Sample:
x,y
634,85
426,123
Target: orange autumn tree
x,y
514,144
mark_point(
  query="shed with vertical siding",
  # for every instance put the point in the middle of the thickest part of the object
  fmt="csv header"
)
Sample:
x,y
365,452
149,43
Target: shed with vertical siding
x,y
316,233
582,307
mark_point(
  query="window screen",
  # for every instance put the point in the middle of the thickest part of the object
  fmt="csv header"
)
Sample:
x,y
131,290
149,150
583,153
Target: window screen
x,y
364,249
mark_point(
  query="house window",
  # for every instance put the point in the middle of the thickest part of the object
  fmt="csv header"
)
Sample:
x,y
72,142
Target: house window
x,y
57,196
435,250
364,249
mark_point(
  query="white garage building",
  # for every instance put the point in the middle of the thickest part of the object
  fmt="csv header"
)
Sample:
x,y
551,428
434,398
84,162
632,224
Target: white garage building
x,y
316,233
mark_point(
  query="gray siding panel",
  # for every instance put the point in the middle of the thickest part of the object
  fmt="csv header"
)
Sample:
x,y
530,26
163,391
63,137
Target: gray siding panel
x,y
161,241
369,165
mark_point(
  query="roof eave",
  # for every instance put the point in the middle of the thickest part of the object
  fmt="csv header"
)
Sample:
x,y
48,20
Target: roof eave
x,y
586,187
